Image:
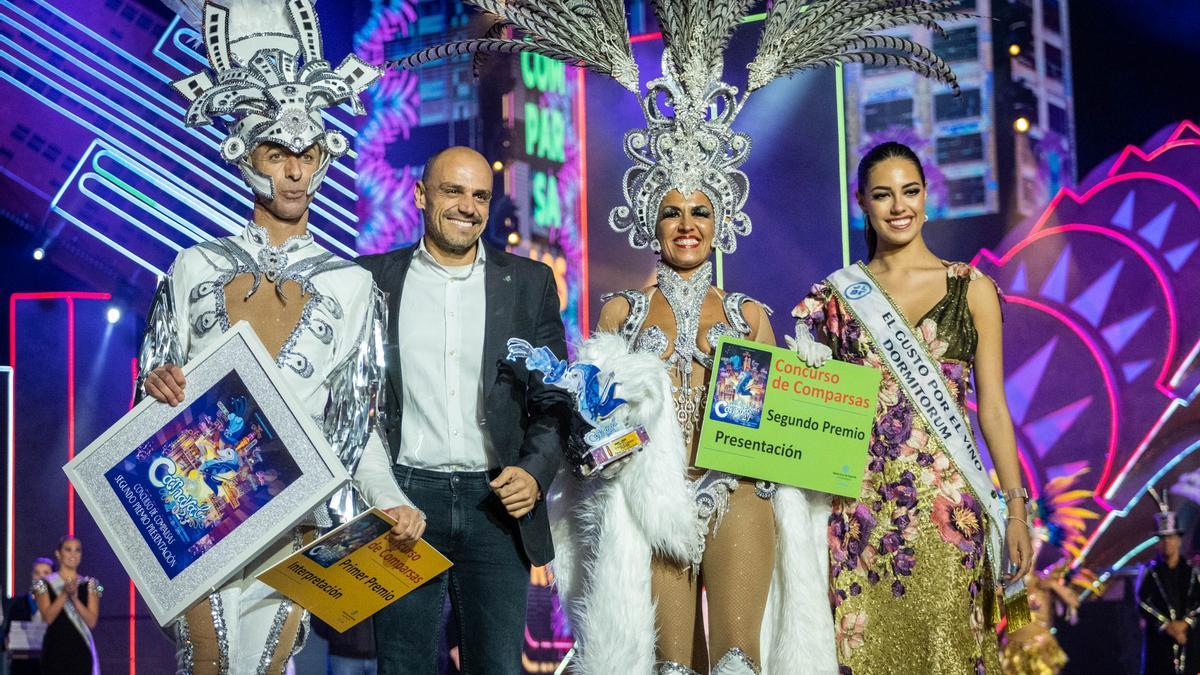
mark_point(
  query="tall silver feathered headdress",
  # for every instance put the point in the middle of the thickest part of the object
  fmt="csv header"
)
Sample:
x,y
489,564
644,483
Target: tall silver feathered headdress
x,y
270,75
688,143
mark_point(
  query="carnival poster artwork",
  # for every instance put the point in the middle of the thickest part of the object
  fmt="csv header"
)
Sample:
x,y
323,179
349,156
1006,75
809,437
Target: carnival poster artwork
x,y
356,534
741,385
204,473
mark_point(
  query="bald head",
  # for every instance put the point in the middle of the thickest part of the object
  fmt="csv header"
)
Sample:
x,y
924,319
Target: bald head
x,y
454,195
457,154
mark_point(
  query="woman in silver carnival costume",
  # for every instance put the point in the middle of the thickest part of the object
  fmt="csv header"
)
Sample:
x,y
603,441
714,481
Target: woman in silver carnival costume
x,y
318,315
636,546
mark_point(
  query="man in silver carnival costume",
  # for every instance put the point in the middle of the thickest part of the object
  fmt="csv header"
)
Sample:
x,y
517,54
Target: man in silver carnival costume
x,y
636,545
318,315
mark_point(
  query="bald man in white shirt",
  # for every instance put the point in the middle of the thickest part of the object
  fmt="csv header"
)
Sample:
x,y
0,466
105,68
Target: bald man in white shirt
x,y
475,440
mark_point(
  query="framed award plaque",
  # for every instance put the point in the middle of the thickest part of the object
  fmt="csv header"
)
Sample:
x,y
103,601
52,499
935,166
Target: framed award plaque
x,y
188,495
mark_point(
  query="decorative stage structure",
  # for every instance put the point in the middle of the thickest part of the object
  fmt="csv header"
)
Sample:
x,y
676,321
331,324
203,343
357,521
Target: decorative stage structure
x,y
1102,337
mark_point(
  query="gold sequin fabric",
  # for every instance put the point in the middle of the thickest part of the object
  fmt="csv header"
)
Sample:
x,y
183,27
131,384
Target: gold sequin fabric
x,y
910,582
1034,651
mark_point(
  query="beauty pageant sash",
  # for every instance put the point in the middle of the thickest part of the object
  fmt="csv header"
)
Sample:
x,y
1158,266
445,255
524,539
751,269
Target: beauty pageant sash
x,y
923,382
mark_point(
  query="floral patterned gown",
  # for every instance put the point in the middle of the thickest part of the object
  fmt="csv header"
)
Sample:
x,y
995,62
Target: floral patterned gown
x,y
910,586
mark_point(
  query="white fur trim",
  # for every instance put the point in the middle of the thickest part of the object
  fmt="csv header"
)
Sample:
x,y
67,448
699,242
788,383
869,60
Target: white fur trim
x,y
604,532
797,632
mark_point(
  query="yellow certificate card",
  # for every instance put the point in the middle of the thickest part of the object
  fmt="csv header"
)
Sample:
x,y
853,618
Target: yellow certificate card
x,y
353,572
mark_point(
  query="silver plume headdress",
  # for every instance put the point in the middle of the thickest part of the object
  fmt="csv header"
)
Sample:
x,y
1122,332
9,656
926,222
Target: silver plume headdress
x,y
688,143
270,74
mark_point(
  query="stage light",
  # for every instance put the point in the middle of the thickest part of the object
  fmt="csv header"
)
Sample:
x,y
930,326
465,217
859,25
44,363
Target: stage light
x,y
113,314
514,238
1021,124
1014,49
39,253
497,165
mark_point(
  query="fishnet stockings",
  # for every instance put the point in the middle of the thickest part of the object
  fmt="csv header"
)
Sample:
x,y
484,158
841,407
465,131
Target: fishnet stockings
x,y
736,573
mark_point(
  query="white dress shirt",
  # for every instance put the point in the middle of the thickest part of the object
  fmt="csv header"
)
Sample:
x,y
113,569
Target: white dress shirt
x,y
441,328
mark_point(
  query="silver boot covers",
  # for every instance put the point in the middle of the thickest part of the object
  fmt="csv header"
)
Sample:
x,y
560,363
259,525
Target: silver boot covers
x,y
735,662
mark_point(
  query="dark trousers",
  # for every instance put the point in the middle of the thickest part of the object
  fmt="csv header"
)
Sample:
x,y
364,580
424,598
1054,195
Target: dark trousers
x,y
488,582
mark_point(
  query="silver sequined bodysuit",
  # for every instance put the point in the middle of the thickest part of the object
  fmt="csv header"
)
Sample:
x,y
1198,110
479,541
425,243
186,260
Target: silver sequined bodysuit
x,y
688,388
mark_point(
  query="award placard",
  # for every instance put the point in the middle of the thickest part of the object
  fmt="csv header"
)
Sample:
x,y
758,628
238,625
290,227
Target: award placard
x,y
353,572
188,495
770,416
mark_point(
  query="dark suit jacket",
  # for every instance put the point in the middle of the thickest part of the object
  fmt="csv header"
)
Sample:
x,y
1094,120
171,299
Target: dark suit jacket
x,y
526,420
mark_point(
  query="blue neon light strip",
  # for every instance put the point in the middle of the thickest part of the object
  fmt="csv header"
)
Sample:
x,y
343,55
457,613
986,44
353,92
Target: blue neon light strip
x,y
112,244
170,117
189,230
120,249
1133,553
118,212
217,170
94,129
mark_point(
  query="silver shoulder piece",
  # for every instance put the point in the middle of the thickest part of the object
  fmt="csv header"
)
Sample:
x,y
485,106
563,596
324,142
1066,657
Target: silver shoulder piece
x,y
160,343
735,324
732,304
639,307
355,399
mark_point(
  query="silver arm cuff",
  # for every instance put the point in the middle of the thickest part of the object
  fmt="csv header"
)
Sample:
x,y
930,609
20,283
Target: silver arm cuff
x,y
355,400
160,343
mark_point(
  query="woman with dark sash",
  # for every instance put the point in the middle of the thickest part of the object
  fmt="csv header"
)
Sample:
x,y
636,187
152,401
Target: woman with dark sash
x,y
915,560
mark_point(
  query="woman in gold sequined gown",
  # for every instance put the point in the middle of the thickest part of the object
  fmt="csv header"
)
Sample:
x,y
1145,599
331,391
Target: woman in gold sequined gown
x,y
910,574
